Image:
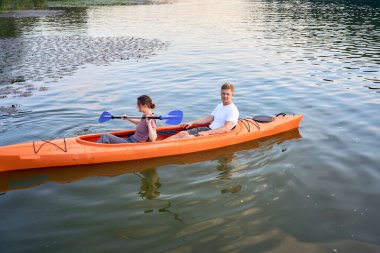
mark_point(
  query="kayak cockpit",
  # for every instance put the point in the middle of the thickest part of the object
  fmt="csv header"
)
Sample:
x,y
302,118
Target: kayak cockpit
x,y
162,134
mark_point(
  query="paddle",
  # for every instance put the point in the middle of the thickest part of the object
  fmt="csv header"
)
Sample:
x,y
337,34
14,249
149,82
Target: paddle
x,y
172,118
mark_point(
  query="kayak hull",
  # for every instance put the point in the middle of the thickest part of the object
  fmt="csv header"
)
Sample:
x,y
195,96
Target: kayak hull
x,y
84,149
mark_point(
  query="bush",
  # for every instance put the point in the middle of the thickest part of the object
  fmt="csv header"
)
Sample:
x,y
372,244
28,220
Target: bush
x,y
22,4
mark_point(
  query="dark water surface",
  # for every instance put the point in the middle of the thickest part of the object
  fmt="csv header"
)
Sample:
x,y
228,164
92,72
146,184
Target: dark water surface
x,y
312,190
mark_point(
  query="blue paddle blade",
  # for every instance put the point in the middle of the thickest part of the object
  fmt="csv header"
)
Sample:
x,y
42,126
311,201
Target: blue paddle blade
x,y
173,118
105,116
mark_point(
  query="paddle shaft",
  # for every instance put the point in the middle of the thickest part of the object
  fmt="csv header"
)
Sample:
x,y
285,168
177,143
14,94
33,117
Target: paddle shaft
x,y
149,117
172,118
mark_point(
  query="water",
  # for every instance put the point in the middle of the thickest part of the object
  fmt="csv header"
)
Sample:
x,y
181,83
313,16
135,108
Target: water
x,y
312,191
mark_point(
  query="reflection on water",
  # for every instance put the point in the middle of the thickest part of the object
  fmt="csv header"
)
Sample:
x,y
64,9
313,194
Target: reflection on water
x,y
341,41
150,183
18,23
225,165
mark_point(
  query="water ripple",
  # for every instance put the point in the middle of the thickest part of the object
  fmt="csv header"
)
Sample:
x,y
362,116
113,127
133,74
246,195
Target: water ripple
x,y
50,58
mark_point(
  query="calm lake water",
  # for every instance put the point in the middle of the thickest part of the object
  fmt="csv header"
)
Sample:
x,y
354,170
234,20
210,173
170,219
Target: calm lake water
x,y
312,190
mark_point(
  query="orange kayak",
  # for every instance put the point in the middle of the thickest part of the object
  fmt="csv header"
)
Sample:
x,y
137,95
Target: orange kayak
x,y
24,179
84,149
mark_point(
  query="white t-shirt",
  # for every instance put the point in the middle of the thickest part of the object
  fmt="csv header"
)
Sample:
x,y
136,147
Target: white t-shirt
x,y
225,113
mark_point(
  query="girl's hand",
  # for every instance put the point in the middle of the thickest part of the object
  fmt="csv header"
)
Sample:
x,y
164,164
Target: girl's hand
x,y
124,116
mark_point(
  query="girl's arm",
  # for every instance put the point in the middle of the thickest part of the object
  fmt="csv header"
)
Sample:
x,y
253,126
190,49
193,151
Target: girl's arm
x,y
152,129
134,121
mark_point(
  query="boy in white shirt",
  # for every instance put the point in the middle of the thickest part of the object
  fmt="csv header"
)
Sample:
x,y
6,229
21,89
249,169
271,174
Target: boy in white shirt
x,y
223,118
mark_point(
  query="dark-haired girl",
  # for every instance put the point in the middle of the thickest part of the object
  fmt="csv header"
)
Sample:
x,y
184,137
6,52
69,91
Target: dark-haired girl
x,y
145,128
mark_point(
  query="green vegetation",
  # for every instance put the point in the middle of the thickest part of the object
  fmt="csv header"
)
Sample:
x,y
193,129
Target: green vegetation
x,y
86,3
32,4
22,4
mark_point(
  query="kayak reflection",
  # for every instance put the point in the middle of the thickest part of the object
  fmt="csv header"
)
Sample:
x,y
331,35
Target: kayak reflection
x,y
23,179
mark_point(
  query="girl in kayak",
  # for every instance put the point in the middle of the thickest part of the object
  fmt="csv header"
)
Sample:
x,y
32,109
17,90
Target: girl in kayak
x,y
145,128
